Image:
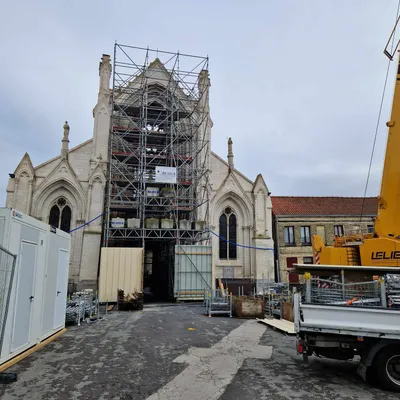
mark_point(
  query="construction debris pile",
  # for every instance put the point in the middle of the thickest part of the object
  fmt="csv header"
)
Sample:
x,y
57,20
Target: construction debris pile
x,y
130,301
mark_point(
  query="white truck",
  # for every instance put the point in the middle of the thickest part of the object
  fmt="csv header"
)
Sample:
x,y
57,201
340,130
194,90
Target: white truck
x,y
341,318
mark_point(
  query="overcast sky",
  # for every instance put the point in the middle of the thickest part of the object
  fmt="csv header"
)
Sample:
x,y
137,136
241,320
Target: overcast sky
x,y
297,84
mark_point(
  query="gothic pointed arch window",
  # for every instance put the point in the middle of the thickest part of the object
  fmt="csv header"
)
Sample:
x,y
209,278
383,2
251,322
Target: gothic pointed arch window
x,y
228,235
60,215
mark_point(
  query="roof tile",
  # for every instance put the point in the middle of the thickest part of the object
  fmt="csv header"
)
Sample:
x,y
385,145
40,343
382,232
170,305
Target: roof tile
x,y
292,205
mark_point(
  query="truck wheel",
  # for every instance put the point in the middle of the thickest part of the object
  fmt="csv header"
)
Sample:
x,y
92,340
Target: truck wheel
x,y
387,367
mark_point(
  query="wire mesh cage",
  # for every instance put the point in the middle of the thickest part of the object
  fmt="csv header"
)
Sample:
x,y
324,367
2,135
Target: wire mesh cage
x,y
217,301
392,283
7,268
81,305
333,292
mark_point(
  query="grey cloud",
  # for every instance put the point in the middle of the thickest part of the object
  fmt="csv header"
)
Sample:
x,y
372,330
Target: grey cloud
x,y
297,84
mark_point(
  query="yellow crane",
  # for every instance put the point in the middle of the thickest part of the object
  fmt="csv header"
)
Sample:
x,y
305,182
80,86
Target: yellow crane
x,y
381,248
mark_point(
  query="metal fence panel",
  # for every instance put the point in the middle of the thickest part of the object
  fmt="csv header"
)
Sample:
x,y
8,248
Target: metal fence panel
x,y
360,294
193,271
7,268
217,301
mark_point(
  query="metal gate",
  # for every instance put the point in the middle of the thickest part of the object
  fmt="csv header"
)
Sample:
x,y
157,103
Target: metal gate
x,y
193,271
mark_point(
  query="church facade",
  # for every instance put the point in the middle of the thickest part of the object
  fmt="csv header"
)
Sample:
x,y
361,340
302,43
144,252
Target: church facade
x,y
68,191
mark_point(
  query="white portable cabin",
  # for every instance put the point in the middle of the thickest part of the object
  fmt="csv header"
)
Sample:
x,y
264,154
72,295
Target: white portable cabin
x,y
37,303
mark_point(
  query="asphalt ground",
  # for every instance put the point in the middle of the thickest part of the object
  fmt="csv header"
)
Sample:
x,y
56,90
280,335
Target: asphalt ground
x,y
132,355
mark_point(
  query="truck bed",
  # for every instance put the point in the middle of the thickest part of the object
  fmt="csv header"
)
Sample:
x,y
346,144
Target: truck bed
x,y
356,321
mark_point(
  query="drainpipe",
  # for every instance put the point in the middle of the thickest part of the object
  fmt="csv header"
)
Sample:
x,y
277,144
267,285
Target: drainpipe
x,y
250,253
277,261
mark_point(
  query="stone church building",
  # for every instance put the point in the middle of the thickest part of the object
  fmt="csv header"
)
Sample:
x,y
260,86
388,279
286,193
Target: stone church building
x,y
68,191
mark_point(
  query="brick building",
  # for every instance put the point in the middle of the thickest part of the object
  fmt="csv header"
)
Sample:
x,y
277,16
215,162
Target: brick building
x,y
296,219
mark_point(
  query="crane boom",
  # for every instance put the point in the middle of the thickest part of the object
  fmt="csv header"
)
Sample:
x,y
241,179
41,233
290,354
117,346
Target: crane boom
x,y
383,247
387,222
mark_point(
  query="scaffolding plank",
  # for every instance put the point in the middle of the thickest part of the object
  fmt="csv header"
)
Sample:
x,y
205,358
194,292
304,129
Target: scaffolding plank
x,y
280,324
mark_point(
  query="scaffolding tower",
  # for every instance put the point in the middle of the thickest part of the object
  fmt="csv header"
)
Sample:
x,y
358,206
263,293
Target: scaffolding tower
x,y
158,148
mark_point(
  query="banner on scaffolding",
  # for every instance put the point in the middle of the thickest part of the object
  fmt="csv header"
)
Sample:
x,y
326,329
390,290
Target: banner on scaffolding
x,y
166,174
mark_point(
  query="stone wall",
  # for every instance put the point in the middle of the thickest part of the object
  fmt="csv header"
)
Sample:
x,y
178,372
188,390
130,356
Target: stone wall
x,y
251,204
283,251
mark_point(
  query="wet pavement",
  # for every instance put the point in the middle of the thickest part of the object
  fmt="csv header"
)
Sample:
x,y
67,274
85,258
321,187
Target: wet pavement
x,y
164,351
286,376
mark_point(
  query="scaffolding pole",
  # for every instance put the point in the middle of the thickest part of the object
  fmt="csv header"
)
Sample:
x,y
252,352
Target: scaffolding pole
x,y
160,123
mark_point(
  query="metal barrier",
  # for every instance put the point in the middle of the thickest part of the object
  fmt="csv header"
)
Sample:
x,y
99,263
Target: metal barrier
x,y
392,283
273,304
359,294
217,301
7,270
82,305
274,297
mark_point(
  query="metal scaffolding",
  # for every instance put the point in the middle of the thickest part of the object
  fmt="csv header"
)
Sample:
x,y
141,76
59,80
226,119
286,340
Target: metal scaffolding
x,y
158,148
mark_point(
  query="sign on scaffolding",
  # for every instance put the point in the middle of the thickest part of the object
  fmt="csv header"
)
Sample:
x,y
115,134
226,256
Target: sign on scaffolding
x,y
166,174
